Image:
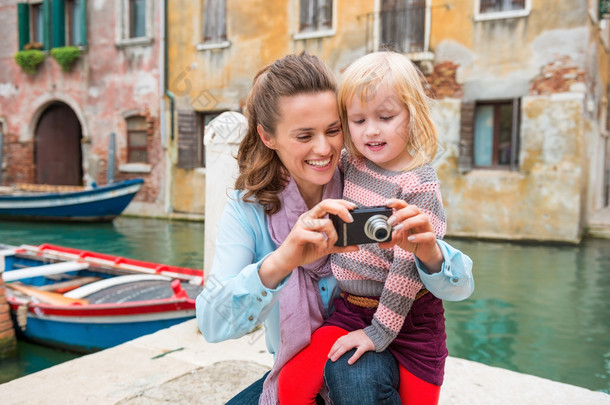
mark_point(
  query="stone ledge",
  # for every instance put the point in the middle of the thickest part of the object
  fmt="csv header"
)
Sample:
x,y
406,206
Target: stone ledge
x,y
176,365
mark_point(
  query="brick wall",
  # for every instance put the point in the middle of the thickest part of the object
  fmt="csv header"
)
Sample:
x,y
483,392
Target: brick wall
x,y
442,83
557,77
18,159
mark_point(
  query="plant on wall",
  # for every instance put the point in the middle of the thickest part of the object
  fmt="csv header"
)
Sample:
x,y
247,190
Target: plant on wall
x,y
65,56
29,59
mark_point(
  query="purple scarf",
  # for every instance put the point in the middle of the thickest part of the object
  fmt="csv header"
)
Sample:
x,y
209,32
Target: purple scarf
x,y
300,301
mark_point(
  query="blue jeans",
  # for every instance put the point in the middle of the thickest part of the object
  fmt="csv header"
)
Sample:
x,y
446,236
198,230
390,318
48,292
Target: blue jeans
x,y
251,394
373,379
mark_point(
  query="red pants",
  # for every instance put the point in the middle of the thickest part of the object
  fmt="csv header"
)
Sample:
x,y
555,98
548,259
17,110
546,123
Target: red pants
x,y
301,378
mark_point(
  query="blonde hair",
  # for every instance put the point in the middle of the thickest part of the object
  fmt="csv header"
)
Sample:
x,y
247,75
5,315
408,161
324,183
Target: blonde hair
x,y
262,173
395,71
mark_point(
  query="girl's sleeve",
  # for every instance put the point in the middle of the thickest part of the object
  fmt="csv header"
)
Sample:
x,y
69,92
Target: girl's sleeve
x,y
234,300
454,282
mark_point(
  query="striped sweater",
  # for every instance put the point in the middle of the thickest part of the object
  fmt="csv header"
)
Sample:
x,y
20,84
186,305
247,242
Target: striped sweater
x,y
390,274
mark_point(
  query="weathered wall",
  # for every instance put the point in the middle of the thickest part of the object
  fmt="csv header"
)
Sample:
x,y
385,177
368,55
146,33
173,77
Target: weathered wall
x,y
543,60
552,60
107,84
220,79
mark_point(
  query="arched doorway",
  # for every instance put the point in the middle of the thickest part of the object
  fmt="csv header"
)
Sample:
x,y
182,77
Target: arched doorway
x,y
58,147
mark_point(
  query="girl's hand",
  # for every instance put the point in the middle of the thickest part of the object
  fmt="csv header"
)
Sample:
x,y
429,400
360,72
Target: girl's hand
x,y
414,233
312,237
344,344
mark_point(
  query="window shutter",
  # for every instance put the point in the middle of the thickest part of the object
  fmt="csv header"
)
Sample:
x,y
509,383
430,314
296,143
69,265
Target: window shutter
x,y
516,121
23,17
46,22
58,27
466,136
83,23
187,140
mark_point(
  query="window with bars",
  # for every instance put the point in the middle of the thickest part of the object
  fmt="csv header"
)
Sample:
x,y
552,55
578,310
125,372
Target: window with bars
x,y
137,140
214,21
52,24
315,15
495,6
489,135
403,25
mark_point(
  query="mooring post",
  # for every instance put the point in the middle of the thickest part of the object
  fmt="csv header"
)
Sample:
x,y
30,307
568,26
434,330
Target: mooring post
x,y
8,342
222,138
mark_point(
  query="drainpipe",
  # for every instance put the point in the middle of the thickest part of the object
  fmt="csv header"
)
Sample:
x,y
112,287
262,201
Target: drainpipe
x,y
165,90
168,93
1,156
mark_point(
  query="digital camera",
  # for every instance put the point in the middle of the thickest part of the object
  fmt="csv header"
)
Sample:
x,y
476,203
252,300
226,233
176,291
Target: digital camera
x,y
370,226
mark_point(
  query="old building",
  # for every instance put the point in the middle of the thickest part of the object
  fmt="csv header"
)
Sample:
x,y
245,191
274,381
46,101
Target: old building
x,y
56,121
520,90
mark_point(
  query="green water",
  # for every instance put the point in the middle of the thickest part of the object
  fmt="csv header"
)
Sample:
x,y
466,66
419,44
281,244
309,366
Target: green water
x,y
537,309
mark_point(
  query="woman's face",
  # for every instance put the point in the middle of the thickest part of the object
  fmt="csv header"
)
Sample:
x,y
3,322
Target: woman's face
x,y
308,140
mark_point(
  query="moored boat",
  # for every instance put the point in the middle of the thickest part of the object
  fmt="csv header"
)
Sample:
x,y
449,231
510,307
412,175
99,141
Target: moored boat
x,y
85,301
61,203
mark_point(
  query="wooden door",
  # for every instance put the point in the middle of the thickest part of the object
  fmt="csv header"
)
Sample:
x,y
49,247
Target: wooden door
x,y
58,149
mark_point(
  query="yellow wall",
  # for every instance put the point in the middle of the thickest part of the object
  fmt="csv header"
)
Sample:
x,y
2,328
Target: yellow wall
x,y
545,199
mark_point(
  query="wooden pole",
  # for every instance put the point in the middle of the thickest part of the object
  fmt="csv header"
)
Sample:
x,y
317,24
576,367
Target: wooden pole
x,y
8,342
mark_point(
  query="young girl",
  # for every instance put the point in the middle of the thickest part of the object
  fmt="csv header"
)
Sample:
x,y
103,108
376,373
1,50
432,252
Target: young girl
x,y
390,138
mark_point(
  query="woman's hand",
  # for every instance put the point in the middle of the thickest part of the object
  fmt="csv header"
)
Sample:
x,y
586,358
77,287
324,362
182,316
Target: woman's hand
x,y
344,344
312,237
414,233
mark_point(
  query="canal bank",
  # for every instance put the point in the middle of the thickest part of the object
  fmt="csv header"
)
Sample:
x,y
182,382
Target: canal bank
x,y
178,366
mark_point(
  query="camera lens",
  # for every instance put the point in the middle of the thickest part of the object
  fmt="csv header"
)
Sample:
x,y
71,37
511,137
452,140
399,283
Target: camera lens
x,y
376,228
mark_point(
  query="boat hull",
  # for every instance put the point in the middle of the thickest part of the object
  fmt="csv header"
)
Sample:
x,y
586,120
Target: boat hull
x,y
83,333
99,204
120,299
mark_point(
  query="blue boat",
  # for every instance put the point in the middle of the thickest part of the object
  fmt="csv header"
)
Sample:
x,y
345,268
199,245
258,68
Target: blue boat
x,y
101,203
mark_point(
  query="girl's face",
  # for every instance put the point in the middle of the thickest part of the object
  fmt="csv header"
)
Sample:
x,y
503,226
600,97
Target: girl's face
x,y
379,128
308,140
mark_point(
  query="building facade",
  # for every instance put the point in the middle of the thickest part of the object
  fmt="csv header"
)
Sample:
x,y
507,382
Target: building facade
x,y
56,123
520,91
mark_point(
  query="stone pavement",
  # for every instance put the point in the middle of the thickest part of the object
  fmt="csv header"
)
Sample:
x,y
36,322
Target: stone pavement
x,y
177,366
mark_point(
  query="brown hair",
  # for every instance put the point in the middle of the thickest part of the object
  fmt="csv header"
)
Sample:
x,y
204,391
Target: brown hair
x,y
261,172
363,77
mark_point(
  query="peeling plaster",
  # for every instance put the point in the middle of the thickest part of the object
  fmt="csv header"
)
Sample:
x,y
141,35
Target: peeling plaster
x,y
450,50
145,84
7,90
98,5
550,45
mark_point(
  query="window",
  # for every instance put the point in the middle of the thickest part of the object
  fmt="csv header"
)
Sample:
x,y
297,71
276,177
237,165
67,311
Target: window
x,y
37,26
214,21
315,15
75,24
33,25
51,24
137,140
137,18
489,135
495,9
403,25
136,23
493,6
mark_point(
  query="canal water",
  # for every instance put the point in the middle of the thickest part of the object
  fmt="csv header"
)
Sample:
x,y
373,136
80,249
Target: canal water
x,y
537,309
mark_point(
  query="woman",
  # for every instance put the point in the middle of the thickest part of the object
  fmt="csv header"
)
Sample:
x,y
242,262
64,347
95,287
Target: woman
x,y
275,223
